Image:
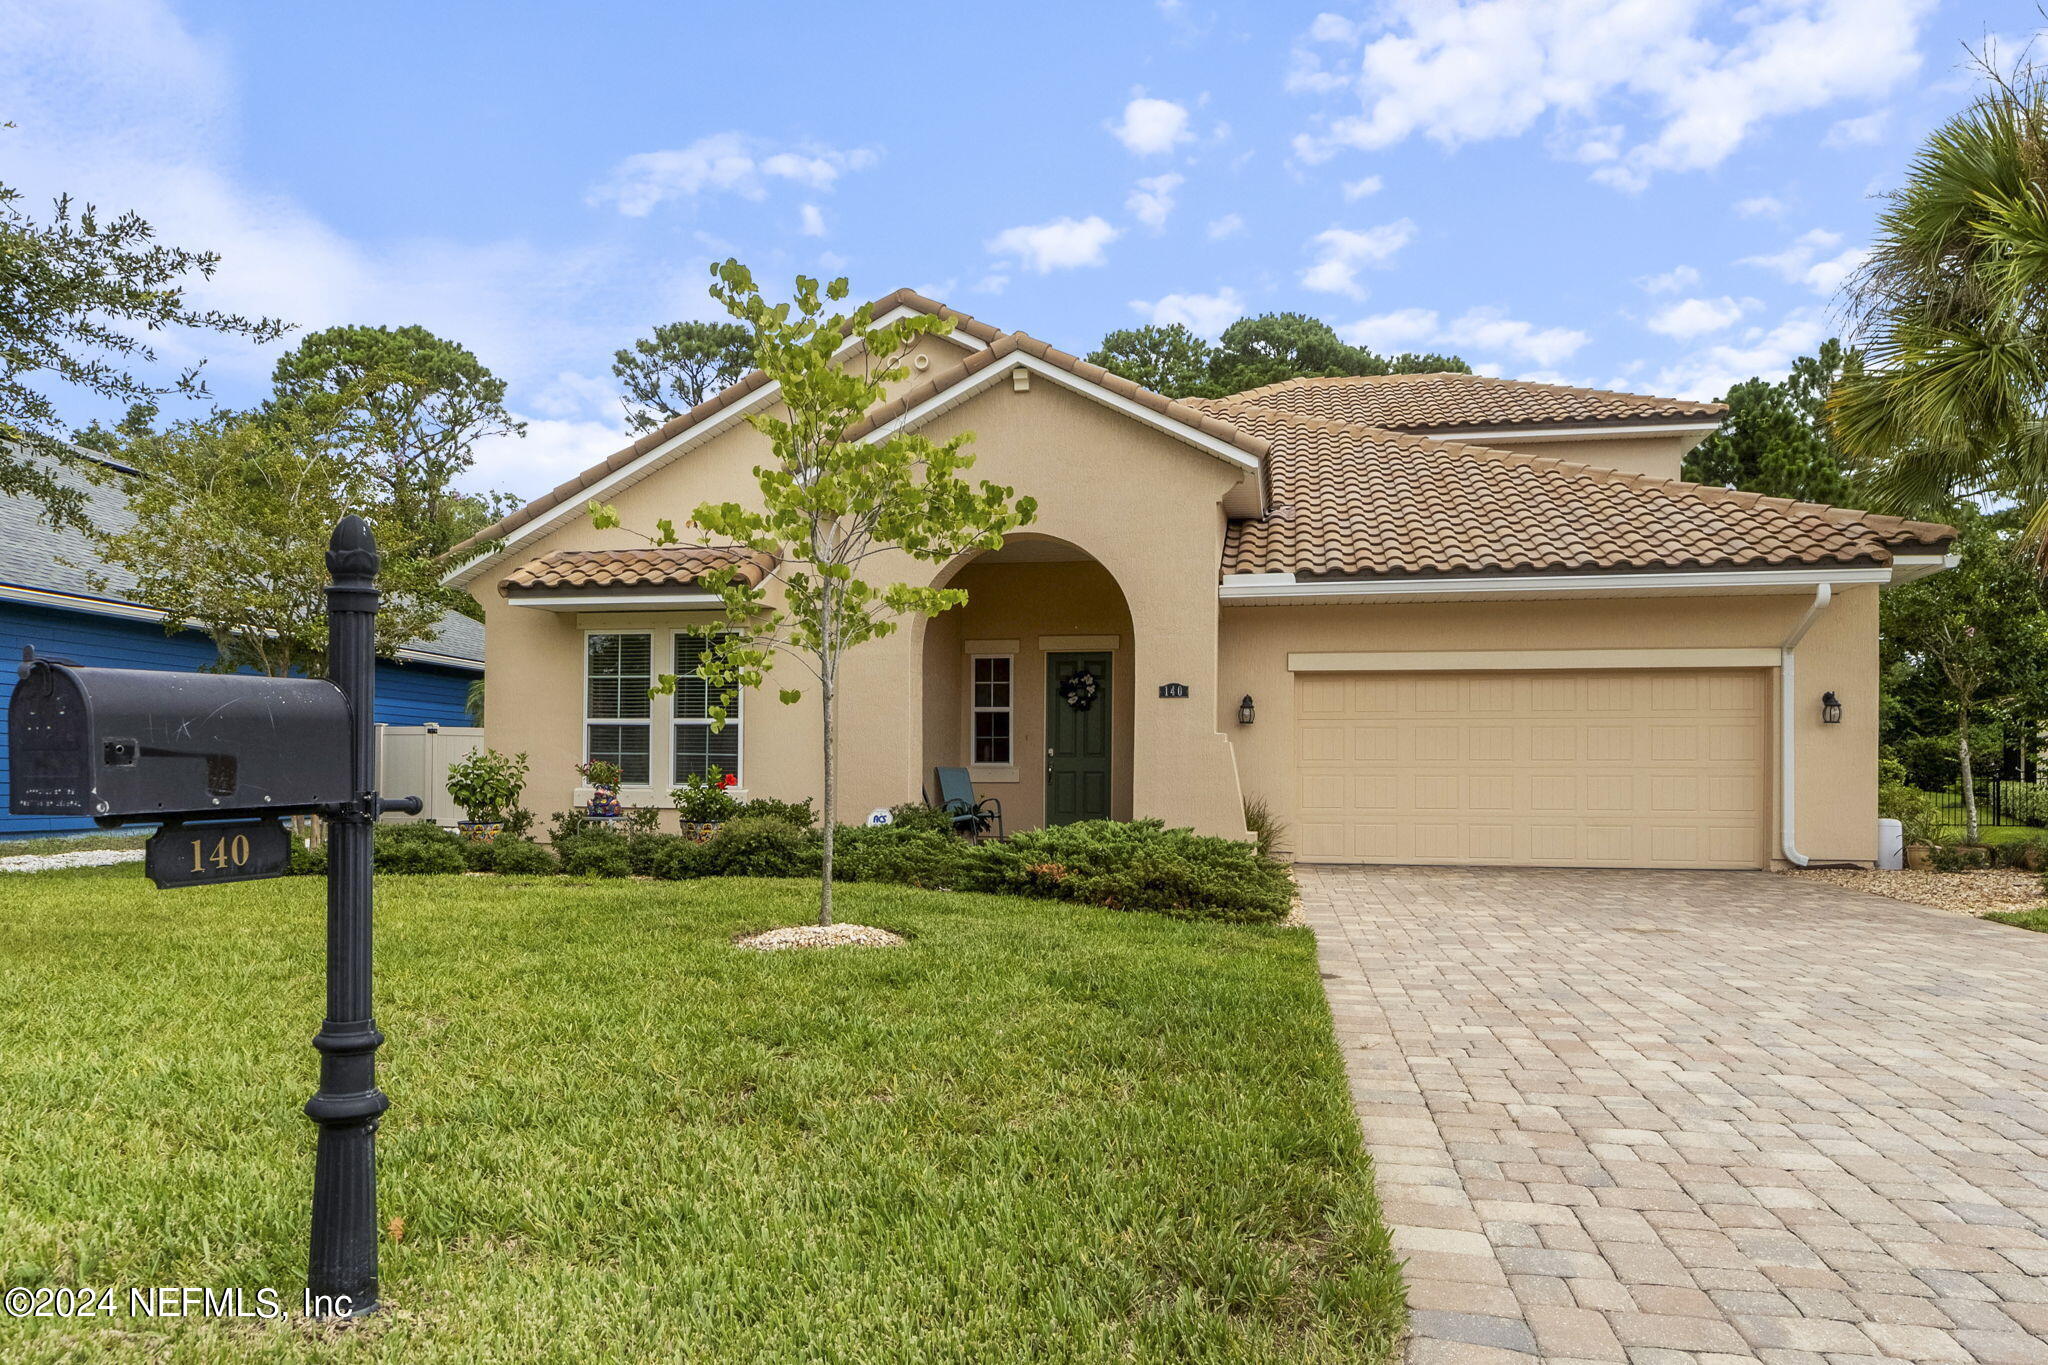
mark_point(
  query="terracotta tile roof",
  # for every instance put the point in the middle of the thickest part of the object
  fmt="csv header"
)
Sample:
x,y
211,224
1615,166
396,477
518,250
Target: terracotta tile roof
x,y
1451,402
1009,344
668,566
1356,501
750,384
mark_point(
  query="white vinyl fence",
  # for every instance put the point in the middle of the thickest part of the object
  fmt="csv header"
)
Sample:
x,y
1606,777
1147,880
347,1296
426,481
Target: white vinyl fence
x,y
412,760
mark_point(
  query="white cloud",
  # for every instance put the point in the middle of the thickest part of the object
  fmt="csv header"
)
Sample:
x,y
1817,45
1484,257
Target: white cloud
x,y
552,451
1060,244
995,282
1857,132
812,222
1206,314
1342,252
728,163
1463,71
1761,351
1805,261
1476,330
1670,282
1152,127
1690,318
1152,199
1760,206
1333,28
1359,189
1229,225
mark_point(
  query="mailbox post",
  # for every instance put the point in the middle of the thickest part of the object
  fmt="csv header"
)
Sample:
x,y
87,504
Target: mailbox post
x,y
215,760
342,1270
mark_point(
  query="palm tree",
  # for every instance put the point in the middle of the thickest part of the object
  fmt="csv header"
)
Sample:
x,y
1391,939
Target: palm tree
x,y
1953,305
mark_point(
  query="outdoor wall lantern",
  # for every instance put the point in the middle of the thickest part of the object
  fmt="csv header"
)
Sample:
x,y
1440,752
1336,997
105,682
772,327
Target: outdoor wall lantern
x,y
1246,714
1830,709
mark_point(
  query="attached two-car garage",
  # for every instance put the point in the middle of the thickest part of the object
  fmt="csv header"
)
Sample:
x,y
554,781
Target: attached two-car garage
x,y
1560,768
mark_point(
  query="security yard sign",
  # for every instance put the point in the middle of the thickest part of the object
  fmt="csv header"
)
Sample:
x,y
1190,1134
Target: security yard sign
x,y
215,759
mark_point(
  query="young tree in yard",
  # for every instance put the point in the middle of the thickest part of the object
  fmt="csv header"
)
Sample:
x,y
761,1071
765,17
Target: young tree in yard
x,y
677,368
78,293
830,505
232,519
1981,626
411,406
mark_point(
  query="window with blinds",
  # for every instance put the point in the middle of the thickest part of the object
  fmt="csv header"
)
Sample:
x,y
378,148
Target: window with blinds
x,y
698,751
618,670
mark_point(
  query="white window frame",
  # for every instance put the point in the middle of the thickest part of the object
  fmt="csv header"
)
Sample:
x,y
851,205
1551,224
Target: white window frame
x,y
736,722
646,722
974,709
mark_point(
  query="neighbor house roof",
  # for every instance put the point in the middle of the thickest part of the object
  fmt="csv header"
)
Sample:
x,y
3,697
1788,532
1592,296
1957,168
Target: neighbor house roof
x,y
1470,402
1350,500
653,567
57,566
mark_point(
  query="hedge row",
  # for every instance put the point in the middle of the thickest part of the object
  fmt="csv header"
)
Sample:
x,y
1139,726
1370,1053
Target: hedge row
x,y
1140,865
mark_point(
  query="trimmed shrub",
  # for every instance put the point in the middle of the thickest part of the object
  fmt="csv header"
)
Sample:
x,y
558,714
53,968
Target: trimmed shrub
x,y
595,854
644,850
1955,858
761,847
2025,802
798,813
308,862
522,858
564,825
418,849
1142,866
914,815
677,859
480,855
2030,855
908,857
1918,812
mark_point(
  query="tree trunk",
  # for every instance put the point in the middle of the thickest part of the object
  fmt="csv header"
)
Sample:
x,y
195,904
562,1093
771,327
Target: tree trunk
x,y
831,799
1969,778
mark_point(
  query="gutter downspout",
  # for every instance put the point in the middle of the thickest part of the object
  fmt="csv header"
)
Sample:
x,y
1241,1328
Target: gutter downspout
x,y
1787,744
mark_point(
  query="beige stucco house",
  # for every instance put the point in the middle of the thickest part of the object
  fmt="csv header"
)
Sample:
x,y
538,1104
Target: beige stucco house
x,y
1427,618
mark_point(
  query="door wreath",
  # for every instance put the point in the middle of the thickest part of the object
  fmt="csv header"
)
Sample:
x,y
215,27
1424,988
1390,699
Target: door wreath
x,y
1078,690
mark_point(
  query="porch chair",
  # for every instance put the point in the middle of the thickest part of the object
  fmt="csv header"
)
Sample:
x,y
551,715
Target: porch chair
x,y
971,817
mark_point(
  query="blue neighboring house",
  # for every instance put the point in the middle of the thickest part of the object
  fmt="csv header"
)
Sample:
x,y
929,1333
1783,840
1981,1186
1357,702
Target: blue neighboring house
x,y
47,600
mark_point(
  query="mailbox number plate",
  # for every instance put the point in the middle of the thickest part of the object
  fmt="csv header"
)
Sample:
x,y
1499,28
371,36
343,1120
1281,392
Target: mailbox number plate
x,y
206,855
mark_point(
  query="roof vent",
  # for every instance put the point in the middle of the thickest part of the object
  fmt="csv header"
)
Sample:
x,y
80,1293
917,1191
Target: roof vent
x,y
1020,379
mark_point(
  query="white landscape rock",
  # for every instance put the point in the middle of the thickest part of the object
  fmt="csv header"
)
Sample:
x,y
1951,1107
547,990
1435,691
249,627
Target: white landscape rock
x,y
85,857
821,936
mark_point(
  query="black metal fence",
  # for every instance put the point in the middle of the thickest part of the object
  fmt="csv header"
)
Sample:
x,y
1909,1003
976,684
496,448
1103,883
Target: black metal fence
x,y
2000,801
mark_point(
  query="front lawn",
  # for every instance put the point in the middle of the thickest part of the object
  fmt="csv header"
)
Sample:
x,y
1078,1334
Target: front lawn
x,y
2035,919
1038,1131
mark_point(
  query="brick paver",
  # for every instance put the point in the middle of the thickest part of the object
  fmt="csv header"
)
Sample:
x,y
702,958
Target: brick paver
x,y
1678,1116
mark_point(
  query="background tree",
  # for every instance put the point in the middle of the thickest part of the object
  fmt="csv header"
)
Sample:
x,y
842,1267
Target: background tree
x,y
1251,352
1953,308
680,366
1976,635
78,294
1775,438
232,518
829,505
411,407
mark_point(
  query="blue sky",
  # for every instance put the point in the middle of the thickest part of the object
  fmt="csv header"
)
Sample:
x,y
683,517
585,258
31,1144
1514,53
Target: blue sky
x,y
1646,194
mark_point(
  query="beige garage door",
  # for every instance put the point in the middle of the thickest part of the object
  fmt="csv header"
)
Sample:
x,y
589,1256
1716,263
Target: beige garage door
x,y
1661,768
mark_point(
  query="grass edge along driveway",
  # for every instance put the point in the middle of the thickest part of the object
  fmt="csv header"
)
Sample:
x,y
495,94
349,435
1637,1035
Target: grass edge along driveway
x,y
1036,1131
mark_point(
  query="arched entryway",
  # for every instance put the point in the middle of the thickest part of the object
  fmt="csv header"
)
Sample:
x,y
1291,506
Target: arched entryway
x,y
1031,685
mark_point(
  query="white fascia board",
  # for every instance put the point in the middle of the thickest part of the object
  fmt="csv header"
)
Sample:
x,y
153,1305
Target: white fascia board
x,y
677,601
134,611
1240,460
667,450
1906,568
1277,586
1570,433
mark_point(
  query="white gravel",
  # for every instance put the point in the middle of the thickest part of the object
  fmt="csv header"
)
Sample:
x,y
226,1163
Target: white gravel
x,y
85,857
815,936
1961,893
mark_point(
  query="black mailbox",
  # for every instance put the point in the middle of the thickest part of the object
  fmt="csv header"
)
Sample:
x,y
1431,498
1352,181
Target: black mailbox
x,y
126,744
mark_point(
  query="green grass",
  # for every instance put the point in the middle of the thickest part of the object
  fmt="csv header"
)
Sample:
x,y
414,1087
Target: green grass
x,y
1994,836
1039,1131
2035,919
70,843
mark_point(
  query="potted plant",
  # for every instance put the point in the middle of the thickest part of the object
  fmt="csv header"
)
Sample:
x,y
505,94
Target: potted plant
x,y
604,778
486,784
703,802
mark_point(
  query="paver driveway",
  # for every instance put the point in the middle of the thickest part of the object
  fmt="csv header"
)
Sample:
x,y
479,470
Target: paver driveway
x,y
1663,1117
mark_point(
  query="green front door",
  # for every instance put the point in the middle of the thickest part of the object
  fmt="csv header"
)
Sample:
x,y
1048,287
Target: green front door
x,y
1076,740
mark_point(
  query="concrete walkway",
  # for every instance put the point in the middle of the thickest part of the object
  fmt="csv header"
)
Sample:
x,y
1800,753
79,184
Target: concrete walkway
x,y
1674,1117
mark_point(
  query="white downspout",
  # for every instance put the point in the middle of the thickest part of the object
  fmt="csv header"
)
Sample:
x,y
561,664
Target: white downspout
x,y
1788,746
